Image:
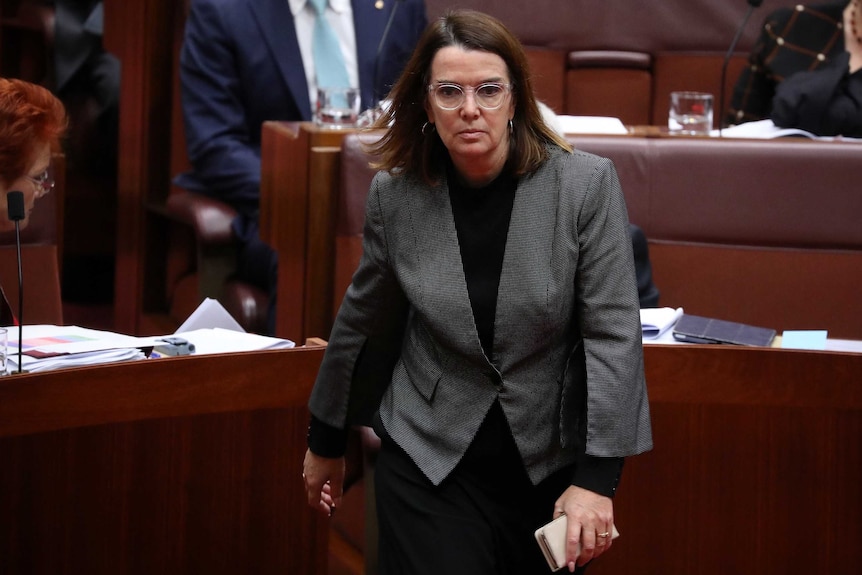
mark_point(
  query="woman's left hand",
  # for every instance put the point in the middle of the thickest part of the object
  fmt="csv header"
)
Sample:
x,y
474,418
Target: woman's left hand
x,y
323,478
590,519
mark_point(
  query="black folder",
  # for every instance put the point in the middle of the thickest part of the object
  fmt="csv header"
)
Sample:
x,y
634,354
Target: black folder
x,y
697,329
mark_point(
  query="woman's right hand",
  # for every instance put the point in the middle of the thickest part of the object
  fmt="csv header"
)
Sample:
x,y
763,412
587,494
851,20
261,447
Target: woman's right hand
x,y
324,481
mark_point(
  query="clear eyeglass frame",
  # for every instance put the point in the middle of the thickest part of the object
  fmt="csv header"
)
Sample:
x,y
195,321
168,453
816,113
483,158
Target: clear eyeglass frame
x,y
488,96
44,182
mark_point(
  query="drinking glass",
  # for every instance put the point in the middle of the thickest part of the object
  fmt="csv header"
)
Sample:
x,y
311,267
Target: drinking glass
x,y
690,113
4,349
337,107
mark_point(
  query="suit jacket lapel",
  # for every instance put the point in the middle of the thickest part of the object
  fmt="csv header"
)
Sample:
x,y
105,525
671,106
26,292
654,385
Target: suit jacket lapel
x,y
278,30
369,23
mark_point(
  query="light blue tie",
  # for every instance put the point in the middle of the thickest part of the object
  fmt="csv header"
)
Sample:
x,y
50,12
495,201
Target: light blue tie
x,y
328,59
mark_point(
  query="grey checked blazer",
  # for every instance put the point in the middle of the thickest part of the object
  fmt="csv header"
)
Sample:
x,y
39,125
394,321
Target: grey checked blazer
x,y
568,365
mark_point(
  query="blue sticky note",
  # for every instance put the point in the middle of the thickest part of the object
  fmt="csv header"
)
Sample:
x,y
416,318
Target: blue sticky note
x,y
804,339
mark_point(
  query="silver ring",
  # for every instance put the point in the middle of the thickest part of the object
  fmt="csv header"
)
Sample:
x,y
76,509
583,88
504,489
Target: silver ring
x,y
603,535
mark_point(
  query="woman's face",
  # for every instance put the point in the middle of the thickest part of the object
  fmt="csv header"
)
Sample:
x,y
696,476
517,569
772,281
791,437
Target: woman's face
x,y
30,184
477,137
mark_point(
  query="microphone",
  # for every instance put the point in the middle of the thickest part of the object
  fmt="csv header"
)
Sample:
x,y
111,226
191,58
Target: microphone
x,y
752,4
16,211
376,88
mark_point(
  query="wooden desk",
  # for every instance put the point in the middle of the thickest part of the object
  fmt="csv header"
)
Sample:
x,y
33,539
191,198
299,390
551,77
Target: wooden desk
x,y
299,179
181,465
756,466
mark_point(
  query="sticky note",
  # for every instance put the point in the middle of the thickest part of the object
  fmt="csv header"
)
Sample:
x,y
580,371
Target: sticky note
x,y
804,339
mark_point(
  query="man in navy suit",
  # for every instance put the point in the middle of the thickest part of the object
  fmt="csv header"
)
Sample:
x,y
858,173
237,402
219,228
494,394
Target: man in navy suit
x,y
244,62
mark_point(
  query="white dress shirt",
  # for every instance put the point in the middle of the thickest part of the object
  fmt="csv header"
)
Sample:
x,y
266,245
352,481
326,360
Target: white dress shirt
x,y
339,13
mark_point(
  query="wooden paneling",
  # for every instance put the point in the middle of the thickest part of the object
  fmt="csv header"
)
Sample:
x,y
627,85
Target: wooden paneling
x,y
185,465
756,465
140,34
299,178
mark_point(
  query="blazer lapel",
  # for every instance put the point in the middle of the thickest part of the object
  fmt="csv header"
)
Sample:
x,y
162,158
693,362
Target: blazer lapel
x,y
279,32
530,236
443,271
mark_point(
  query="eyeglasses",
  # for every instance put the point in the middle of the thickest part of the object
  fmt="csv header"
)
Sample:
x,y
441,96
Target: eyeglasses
x,y
44,181
489,96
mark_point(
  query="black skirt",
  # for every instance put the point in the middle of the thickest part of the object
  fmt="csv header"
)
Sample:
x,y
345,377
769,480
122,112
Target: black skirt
x,y
479,521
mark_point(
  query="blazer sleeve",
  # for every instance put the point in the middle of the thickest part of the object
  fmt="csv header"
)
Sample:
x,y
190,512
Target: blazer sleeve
x,y
366,337
618,420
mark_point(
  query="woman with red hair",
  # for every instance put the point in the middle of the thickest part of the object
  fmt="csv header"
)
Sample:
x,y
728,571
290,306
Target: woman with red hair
x,y
32,121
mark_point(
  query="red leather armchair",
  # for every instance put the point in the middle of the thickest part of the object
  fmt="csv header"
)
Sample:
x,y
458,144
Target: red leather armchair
x,y
202,260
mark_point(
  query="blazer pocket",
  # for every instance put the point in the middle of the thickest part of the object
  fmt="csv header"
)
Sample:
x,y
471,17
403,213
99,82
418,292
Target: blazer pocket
x,y
421,361
573,398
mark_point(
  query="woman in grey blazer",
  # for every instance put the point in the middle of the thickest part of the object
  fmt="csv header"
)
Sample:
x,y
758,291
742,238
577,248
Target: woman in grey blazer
x,y
492,326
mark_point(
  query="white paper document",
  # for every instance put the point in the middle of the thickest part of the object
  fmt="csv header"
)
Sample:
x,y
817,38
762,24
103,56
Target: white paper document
x,y
657,320
590,125
213,330
209,314
767,130
219,340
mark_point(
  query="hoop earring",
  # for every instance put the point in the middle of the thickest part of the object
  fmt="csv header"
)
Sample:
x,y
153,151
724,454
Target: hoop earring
x,y
511,127
424,129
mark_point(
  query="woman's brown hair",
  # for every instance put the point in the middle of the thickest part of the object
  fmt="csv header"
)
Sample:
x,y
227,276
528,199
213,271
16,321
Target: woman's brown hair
x,y
409,147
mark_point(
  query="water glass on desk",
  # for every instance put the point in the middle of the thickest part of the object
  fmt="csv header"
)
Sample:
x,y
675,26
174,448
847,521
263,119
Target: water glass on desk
x,y
4,351
690,113
337,107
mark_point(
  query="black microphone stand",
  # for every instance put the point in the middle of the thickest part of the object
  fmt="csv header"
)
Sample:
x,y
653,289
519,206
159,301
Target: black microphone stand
x,y
752,4
16,211
20,293
375,89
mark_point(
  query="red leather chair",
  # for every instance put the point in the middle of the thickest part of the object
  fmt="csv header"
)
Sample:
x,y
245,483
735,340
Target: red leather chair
x,y
41,249
202,260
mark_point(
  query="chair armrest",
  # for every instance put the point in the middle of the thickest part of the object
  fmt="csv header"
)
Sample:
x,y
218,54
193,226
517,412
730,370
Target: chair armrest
x,y
210,218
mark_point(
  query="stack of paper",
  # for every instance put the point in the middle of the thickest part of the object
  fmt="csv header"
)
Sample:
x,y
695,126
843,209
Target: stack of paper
x,y
220,340
45,347
210,328
213,330
656,321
